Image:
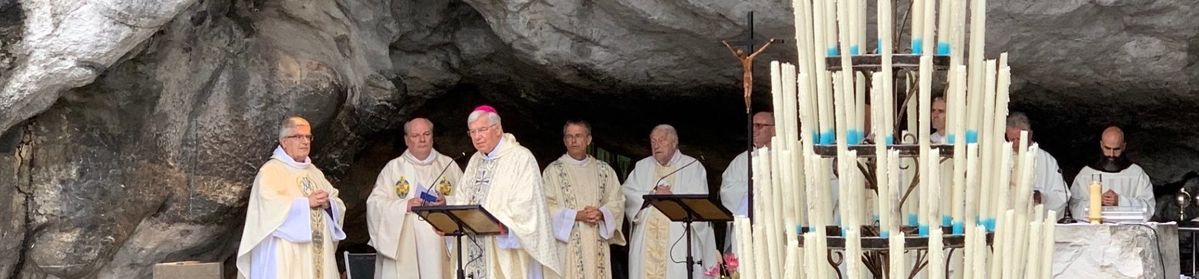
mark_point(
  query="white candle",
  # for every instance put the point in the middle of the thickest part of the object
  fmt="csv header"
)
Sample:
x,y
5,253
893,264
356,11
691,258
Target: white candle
x,y
896,255
845,82
860,107
776,96
970,247
934,193
791,268
789,101
943,21
936,254
1047,246
810,260
853,253
972,189
772,210
917,12
894,192
880,156
1009,242
762,265
980,257
925,100
884,43
930,10
1002,186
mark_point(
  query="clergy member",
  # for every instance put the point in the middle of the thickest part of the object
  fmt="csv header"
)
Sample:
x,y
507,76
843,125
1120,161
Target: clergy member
x,y
294,215
938,116
1124,183
409,247
504,178
734,182
654,253
1049,188
584,198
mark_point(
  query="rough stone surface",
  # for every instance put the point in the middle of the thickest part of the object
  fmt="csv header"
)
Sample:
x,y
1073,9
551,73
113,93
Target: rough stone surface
x,y
1116,251
130,130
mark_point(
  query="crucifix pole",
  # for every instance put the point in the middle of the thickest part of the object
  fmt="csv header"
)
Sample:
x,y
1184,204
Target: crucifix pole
x,y
747,87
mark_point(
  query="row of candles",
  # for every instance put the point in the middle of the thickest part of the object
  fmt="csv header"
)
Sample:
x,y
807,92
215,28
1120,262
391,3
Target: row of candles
x,y
972,193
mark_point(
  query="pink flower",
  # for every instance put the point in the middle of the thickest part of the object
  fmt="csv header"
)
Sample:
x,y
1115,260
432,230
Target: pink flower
x,y
713,271
730,262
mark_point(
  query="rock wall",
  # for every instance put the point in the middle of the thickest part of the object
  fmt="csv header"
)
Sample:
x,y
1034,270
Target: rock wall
x,y
130,130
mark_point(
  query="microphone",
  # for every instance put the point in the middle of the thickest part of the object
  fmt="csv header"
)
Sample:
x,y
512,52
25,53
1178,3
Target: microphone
x,y
644,205
431,198
677,170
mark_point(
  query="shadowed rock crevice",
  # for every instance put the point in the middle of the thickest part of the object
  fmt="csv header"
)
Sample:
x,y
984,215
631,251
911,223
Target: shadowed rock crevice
x,y
137,127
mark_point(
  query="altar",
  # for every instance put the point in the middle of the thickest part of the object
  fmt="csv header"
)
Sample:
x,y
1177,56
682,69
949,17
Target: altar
x,y
1116,251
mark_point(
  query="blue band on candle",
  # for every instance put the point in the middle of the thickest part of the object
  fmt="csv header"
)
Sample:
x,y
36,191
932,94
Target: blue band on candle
x,y
799,229
885,234
844,231
889,139
815,137
912,219
946,220
959,228
852,136
949,139
989,223
834,52
828,137
943,48
855,50
971,136
923,229
917,45
879,47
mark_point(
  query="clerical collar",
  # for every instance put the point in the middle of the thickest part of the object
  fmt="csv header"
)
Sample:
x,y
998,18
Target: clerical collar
x,y
286,159
584,161
428,159
495,152
673,159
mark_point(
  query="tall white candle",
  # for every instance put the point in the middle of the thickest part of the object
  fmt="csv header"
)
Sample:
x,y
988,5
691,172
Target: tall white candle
x,y
860,107
894,192
773,248
853,253
936,254
1047,246
810,260
929,25
925,100
980,258
934,193
885,50
790,100
776,96
896,256
970,247
917,25
880,156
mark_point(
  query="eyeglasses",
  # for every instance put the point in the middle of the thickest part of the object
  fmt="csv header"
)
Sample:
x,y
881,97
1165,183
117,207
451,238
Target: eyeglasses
x,y
480,130
296,137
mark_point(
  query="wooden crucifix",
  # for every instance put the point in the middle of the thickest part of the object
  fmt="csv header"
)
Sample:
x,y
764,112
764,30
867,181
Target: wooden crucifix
x,y
747,70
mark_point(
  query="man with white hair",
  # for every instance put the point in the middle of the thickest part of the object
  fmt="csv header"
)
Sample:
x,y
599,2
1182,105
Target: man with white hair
x,y
1049,188
504,178
294,215
652,253
409,247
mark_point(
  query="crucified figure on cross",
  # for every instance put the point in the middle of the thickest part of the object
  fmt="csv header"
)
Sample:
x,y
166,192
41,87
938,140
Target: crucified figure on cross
x,y
747,69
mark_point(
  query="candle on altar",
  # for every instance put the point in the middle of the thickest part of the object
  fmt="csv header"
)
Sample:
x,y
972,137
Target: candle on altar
x,y
773,213
1032,252
1002,185
943,33
895,251
1094,209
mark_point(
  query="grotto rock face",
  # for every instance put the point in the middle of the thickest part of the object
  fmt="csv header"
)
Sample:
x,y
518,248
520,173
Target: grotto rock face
x,y
130,130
